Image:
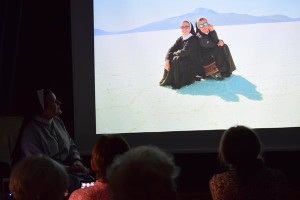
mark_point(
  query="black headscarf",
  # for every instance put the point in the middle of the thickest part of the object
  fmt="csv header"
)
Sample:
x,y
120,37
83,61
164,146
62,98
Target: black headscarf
x,y
192,30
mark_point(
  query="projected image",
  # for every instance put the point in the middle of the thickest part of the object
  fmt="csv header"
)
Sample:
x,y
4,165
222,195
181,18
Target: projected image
x,y
132,38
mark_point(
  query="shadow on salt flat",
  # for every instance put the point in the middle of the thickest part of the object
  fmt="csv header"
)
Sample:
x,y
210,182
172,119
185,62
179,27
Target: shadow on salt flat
x,y
228,89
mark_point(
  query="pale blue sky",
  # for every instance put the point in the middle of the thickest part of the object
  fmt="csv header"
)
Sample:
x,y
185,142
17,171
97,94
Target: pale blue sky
x,y
113,15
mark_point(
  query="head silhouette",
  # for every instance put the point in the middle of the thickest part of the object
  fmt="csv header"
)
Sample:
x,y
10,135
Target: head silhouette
x,y
239,146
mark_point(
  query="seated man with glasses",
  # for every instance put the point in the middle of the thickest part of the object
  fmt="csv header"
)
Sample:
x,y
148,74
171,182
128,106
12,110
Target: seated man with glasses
x,y
218,62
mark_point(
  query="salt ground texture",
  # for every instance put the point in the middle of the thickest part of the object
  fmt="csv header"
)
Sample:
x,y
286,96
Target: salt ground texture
x,y
262,93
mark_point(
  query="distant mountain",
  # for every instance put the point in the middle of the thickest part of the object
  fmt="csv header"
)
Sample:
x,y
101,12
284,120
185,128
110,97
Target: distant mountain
x,y
213,18
100,32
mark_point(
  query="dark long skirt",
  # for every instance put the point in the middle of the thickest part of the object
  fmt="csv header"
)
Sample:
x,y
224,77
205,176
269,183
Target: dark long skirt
x,y
222,59
180,74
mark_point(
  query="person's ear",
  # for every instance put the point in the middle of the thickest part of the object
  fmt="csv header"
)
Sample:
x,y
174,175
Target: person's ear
x,y
93,165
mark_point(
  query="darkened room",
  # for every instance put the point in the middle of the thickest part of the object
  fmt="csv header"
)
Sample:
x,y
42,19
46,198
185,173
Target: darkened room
x,y
36,52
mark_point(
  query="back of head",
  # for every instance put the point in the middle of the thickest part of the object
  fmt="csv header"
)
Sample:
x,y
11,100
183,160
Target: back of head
x,y
144,172
105,150
38,178
239,146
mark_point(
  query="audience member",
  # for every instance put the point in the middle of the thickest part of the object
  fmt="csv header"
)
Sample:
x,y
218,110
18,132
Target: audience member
x,y
181,59
247,177
215,53
46,133
38,178
144,172
103,153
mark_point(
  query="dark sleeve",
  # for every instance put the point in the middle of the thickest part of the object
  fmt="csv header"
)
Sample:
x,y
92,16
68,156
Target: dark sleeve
x,y
189,48
214,36
173,49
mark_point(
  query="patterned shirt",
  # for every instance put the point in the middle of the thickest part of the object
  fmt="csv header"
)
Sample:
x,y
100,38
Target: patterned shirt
x,y
265,184
98,191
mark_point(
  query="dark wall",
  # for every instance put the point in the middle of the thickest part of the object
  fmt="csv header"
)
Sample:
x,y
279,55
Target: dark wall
x,y
9,33
38,54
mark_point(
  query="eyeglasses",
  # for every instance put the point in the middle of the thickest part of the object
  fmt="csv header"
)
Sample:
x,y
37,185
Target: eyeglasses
x,y
202,25
182,27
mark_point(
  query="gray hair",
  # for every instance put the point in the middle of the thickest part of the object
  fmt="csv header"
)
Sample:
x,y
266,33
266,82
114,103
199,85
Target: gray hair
x,y
38,178
144,172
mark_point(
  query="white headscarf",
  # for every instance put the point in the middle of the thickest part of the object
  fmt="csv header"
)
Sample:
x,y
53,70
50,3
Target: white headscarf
x,y
185,37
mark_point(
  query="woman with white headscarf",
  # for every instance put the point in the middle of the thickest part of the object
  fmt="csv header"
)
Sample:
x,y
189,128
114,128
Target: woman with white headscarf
x,y
181,59
46,133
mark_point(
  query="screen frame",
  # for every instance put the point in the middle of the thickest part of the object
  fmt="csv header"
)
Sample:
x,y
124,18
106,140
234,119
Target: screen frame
x,y
82,33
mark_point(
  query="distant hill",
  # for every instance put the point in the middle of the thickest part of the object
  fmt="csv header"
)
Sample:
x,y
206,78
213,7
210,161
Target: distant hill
x,y
213,18
100,32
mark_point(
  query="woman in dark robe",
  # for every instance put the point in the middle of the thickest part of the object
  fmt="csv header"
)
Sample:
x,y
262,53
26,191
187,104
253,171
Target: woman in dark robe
x,y
218,62
181,59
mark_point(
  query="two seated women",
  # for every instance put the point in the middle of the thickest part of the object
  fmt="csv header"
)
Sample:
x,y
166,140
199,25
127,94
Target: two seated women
x,y
195,55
